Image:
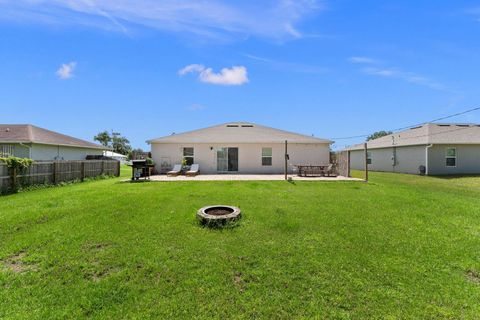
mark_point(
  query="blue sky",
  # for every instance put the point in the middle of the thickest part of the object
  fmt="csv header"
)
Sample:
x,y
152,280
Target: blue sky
x,y
149,68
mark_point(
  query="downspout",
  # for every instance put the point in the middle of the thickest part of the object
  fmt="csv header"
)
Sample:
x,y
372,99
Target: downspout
x,y
426,158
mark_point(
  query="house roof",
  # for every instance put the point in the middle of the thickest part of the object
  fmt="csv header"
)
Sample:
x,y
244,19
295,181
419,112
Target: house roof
x,y
429,133
27,133
238,132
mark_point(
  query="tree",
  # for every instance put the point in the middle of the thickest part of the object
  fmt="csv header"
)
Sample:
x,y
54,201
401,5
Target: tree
x,y
104,138
378,134
116,141
133,153
120,144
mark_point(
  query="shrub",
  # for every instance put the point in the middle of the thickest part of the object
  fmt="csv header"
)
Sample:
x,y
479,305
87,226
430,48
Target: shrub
x,y
19,164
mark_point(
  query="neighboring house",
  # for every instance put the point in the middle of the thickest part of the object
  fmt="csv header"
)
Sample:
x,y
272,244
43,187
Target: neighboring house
x,y
27,141
239,147
432,149
116,156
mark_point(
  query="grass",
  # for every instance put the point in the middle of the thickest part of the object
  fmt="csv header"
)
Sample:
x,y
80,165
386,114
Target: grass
x,y
400,246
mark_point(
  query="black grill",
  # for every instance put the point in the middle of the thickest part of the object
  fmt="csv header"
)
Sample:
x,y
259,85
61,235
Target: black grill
x,y
140,169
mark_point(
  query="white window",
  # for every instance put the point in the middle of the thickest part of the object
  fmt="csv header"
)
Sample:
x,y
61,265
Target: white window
x,y
266,156
6,150
451,157
188,156
369,157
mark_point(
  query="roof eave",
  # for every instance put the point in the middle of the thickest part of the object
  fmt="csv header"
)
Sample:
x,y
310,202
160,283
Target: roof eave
x,y
240,142
60,144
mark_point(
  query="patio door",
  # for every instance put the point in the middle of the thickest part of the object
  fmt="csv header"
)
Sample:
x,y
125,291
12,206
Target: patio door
x,y
227,159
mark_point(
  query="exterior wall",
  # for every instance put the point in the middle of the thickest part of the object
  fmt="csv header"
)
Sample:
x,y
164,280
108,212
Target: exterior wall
x,y
395,159
249,156
468,160
49,152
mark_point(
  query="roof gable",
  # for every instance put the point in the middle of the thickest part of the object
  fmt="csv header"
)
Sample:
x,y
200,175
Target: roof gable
x,y
238,132
26,133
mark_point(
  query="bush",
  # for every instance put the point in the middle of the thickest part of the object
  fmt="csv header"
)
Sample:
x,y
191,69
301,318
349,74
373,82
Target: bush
x,y
19,164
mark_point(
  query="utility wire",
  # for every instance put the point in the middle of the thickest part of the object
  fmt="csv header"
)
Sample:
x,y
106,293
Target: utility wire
x,y
415,125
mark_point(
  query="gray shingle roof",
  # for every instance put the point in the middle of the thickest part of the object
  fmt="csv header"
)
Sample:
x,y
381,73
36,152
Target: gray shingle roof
x,y
430,133
238,132
26,133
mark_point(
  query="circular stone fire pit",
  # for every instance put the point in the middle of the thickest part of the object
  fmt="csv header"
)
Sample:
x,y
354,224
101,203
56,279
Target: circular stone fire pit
x,y
218,214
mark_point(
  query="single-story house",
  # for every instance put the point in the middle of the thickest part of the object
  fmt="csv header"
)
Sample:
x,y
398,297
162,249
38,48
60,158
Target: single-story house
x,y
239,147
432,149
117,156
28,141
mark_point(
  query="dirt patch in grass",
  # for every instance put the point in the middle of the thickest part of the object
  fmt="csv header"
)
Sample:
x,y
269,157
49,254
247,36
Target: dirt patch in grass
x,y
239,282
96,246
473,276
99,274
42,219
16,263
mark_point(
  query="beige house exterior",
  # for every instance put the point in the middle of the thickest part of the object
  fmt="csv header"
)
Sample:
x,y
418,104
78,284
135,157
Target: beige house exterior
x,y
239,147
28,141
431,149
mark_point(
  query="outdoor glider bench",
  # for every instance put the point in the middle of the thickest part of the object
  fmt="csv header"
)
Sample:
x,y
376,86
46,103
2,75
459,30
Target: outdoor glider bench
x,y
194,170
175,171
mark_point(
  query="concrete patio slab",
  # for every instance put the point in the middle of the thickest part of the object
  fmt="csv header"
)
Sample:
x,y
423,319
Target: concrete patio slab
x,y
248,177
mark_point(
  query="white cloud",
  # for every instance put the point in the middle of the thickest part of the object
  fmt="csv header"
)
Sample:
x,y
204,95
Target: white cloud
x,y
196,107
376,68
288,66
208,18
191,68
363,60
66,70
234,76
406,76
475,11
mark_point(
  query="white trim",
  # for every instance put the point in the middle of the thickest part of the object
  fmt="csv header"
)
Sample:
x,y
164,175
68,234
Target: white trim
x,y
59,144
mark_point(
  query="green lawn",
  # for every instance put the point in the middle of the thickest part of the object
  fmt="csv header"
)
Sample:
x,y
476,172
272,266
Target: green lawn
x,y
398,247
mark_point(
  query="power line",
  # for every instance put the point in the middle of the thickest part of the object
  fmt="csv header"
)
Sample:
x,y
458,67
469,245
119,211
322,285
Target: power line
x,y
415,125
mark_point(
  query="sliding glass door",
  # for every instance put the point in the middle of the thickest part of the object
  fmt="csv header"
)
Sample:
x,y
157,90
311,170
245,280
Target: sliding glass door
x,y
227,159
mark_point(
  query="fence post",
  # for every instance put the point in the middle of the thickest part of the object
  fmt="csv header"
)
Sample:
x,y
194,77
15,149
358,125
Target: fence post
x,y
348,163
366,161
14,178
55,172
82,174
286,159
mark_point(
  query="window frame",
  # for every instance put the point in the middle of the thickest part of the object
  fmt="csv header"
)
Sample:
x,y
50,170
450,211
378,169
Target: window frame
x,y
185,157
267,157
369,157
7,150
451,157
